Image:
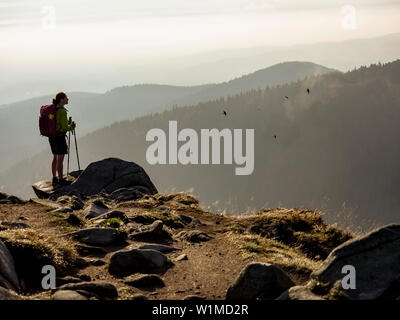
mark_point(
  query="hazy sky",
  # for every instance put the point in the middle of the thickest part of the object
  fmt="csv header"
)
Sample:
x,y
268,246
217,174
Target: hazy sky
x,y
81,28
102,35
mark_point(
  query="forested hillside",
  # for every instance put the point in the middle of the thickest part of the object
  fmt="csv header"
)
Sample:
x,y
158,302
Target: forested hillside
x,y
334,148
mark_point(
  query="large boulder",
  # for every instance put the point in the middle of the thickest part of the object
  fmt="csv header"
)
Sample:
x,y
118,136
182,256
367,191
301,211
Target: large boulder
x,y
8,275
193,236
102,177
375,257
145,281
45,189
99,236
94,210
259,281
153,231
124,263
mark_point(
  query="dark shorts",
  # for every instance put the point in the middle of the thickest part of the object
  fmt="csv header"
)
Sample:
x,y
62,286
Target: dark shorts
x,y
58,145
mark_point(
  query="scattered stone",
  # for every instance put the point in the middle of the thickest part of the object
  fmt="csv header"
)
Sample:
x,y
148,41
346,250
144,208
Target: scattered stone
x,y
89,250
99,236
82,263
124,263
77,203
262,281
193,236
97,263
85,277
375,258
6,294
138,296
182,257
12,200
196,222
185,219
62,210
128,194
98,288
194,298
159,247
153,231
75,220
67,295
94,210
15,225
164,209
67,279
145,281
113,214
8,275
143,219
298,293
64,200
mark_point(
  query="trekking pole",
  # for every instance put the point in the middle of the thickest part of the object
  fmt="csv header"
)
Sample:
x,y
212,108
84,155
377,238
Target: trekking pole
x,y
69,145
77,154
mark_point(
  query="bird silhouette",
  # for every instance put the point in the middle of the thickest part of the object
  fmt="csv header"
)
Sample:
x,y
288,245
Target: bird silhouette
x,y
224,113
275,136
286,97
308,90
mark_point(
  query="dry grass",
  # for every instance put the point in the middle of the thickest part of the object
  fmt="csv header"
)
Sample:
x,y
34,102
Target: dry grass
x,y
254,247
300,229
60,251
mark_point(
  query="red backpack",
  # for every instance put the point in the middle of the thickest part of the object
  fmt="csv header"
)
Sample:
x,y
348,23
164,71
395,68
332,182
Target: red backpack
x,y
47,120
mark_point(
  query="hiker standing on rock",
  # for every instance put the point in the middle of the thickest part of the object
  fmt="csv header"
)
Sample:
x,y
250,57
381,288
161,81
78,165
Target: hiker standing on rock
x,y
58,143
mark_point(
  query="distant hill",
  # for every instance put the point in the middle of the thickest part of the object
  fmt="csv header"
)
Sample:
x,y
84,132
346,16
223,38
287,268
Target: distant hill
x,y
335,148
198,68
340,55
93,111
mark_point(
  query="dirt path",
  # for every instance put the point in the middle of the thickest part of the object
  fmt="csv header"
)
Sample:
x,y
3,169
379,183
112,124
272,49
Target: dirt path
x,y
210,269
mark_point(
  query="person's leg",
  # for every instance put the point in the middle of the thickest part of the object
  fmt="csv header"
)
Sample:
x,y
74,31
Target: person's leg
x,y
60,160
54,166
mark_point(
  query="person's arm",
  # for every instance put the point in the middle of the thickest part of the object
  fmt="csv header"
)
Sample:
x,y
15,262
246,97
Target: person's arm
x,y
63,121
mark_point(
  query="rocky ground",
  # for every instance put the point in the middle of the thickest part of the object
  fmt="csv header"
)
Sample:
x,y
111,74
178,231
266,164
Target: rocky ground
x,y
130,242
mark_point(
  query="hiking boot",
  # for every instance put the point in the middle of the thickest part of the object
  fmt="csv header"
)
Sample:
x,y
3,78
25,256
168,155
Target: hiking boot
x,y
54,181
63,182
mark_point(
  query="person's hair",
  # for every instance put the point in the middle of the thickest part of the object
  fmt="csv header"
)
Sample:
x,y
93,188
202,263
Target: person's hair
x,y
58,98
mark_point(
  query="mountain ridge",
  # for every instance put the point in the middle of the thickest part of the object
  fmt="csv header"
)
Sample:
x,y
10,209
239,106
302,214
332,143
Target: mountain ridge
x,y
93,111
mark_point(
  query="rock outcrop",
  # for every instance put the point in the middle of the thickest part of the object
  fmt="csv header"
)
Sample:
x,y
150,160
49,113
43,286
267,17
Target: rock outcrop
x,y
124,263
259,281
98,236
375,258
112,177
8,275
112,222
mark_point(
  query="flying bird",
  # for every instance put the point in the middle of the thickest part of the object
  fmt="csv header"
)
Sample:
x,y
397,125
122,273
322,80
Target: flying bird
x,y
275,136
224,113
286,97
308,90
